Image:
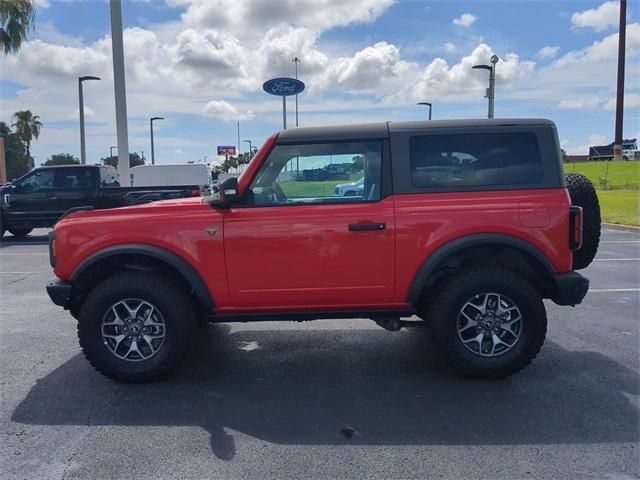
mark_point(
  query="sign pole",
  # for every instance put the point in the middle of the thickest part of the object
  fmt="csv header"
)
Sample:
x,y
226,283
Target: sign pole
x,y
284,112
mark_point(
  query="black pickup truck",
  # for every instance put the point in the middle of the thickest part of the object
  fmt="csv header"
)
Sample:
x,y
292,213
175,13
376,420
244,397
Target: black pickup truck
x,y
42,196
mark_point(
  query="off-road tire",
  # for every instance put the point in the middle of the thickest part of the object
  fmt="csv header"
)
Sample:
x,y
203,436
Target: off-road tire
x,y
584,195
20,232
450,295
174,305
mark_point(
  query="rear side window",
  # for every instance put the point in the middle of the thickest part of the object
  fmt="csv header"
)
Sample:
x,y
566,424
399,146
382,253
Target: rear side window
x,y
474,160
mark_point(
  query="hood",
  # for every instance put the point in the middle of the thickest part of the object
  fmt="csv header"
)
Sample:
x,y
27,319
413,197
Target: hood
x,y
161,207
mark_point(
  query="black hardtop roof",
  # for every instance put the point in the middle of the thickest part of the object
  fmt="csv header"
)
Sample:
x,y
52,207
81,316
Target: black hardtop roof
x,y
382,129
75,165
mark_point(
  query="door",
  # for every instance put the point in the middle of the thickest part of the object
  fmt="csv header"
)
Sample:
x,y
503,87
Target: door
x,y
75,187
31,197
298,243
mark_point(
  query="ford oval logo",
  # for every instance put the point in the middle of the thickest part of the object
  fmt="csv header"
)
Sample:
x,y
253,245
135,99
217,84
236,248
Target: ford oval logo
x,y
283,86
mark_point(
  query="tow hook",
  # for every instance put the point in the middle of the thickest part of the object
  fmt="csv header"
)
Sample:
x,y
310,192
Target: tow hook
x,y
392,324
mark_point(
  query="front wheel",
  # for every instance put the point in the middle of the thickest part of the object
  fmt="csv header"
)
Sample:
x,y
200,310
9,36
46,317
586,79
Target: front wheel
x,y
135,326
489,322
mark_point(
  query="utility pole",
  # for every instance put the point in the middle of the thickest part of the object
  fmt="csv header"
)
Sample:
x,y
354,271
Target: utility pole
x,y
153,156
83,150
622,40
120,90
296,60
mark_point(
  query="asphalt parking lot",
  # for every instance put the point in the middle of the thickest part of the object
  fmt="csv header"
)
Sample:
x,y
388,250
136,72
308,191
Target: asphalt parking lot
x,y
325,399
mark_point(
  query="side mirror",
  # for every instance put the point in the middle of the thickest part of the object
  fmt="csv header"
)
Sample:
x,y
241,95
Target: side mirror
x,y
228,193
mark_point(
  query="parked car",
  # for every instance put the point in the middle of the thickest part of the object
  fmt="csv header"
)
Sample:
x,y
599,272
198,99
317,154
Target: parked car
x,y
42,196
352,189
468,224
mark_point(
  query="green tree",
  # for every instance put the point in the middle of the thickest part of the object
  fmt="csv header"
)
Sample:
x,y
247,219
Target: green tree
x,y
17,17
27,127
134,160
18,163
61,159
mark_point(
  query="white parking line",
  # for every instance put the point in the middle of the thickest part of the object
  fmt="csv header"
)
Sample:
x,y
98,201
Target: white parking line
x,y
621,241
617,260
610,290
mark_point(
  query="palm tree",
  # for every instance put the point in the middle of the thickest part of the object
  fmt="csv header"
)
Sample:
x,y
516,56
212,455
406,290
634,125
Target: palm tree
x,y
16,19
27,127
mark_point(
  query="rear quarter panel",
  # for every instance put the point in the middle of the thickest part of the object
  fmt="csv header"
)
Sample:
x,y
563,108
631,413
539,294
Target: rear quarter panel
x,y
426,222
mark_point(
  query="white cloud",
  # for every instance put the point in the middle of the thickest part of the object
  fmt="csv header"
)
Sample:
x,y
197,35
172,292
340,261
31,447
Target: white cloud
x,y
375,69
459,82
581,103
600,18
450,47
631,100
605,49
225,111
594,139
250,15
546,53
465,20
43,4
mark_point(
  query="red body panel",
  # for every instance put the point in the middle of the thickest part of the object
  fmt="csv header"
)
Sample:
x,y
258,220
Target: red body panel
x,y
303,257
425,223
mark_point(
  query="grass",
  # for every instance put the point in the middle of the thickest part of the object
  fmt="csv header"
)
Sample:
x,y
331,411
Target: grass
x,y
619,176
620,206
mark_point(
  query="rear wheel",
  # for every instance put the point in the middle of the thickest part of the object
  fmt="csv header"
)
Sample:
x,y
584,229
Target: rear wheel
x,y
135,326
489,322
20,231
584,195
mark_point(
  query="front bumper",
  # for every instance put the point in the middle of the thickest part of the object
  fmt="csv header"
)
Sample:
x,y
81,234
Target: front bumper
x,y
59,291
569,288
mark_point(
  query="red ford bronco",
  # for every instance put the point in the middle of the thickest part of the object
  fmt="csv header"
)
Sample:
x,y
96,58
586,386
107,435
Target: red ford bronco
x,y
467,224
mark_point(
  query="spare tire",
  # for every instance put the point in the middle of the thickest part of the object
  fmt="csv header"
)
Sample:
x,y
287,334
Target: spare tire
x,y
584,195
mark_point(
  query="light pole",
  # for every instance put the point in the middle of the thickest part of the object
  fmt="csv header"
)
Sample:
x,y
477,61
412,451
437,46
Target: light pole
x,y
428,105
111,151
250,147
491,91
83,152
296,60
153,157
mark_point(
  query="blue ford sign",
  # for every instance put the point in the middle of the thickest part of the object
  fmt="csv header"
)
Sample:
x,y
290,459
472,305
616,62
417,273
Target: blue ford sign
x,y
283,86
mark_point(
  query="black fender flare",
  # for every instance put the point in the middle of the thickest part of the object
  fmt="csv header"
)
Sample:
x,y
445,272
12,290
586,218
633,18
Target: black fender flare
x,y
178,263
430,265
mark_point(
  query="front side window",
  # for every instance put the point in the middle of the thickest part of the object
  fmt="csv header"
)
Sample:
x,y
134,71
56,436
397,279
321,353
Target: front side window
x,y
470,160
38,181
319,173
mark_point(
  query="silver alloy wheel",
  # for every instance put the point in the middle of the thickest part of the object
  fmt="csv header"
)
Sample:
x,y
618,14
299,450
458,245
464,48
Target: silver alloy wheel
x,y
489,324
133,330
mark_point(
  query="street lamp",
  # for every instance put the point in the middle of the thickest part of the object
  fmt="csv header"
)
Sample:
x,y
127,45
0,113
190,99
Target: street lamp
x,y
250,147
153,157
296,60
428,105
491,91
83,152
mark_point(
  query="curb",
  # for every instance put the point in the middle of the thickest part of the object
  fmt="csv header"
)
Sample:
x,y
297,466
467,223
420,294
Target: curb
x,y
624,228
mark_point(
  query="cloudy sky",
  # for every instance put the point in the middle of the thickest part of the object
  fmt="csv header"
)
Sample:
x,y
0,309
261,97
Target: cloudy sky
x,y
201,64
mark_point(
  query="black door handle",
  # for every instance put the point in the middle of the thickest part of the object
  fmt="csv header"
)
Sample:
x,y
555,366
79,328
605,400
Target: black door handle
x,y
364,227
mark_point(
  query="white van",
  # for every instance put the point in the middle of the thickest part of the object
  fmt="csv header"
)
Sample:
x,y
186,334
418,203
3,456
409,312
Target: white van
x,y
170,175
